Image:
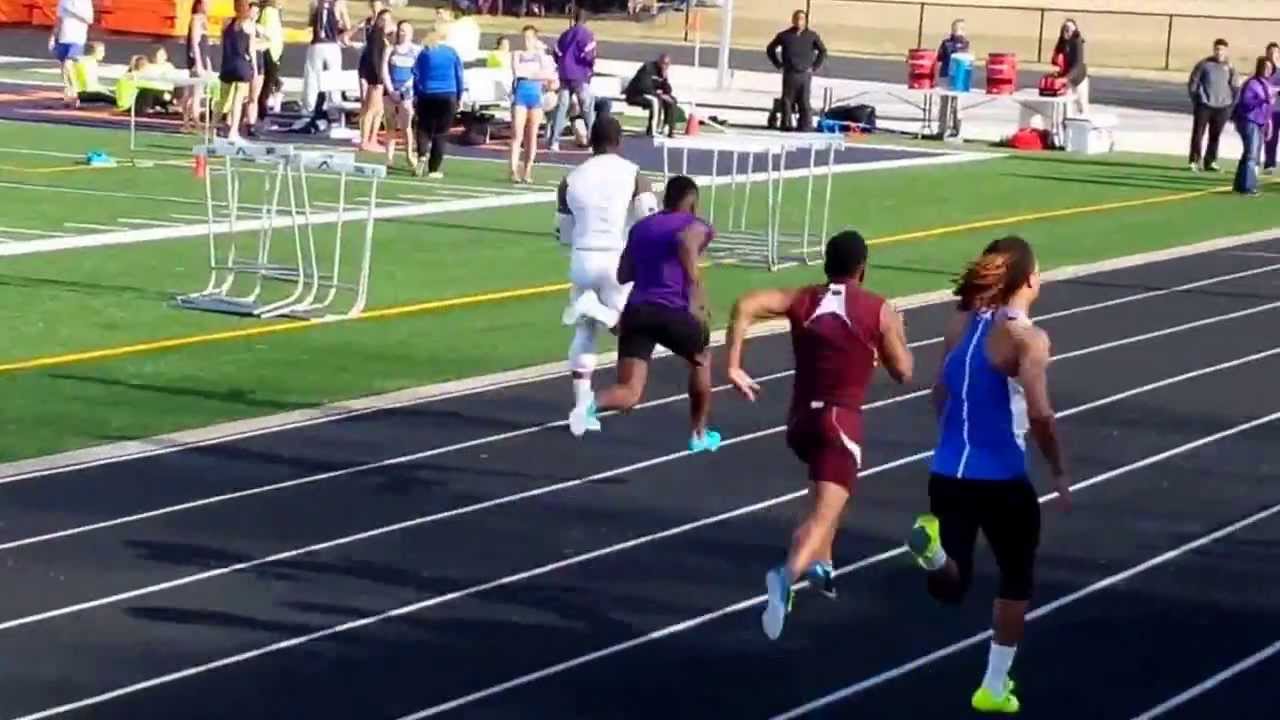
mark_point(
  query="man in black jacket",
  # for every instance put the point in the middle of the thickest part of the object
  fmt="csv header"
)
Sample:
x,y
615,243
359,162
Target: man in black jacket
x,y
651,90
802,54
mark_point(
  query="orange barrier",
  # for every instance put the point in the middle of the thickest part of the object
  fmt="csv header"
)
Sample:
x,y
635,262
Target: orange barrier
x,y
144,17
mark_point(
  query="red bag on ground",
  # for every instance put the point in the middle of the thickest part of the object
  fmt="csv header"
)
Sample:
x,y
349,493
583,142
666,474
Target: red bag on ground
x,y
1028,139
1053,86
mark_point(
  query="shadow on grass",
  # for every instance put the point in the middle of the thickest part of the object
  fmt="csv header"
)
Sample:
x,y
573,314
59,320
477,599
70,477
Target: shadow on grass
x,y
235,396
80,287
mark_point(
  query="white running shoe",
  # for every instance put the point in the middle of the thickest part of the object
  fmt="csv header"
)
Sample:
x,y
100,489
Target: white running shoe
x,y
779,604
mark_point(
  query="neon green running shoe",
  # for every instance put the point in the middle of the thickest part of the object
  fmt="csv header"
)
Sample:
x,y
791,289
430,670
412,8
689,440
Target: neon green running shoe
x,y
925,540
983,701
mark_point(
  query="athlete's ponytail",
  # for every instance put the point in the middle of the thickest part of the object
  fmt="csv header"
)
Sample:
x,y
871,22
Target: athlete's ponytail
x,y
1005,266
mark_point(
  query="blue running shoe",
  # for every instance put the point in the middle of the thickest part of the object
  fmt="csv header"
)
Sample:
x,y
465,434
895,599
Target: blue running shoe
x,y
708,441
779,604
583,419
823,577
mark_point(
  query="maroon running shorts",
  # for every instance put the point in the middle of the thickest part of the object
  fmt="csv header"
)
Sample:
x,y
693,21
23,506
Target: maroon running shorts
x,y
829,440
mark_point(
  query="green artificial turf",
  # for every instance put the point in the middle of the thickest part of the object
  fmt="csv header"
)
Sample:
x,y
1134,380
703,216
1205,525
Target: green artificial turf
x,y
86,299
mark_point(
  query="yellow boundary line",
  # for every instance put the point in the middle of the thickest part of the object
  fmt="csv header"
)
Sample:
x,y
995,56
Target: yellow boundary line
x,y
399,310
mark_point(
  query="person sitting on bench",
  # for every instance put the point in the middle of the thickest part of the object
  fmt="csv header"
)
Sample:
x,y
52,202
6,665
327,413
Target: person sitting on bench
x,y
651,90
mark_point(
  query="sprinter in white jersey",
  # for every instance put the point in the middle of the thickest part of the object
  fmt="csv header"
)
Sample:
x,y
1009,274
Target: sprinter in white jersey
x,y
599,201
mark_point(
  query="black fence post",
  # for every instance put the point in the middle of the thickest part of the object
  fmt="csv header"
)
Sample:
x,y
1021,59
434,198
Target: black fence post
x,y
1168,44
920,28
1040,39
688,12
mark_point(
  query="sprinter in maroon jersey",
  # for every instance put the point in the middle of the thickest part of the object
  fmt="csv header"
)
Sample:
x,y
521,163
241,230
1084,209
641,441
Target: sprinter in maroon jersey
x,y
839,333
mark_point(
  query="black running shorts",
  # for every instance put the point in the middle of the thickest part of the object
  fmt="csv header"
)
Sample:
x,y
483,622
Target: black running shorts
x,y
1008,514
647,325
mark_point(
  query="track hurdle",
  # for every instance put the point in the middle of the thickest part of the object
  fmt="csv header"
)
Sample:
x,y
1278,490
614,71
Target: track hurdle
x,y
746,238
312,273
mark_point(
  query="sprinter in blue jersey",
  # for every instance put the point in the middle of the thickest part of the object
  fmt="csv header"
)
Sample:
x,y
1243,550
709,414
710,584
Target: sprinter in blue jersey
x,y
991,389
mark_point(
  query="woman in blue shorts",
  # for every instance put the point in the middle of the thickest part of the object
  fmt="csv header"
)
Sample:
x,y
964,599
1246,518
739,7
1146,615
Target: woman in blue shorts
x,y
399,85
991,389
533,69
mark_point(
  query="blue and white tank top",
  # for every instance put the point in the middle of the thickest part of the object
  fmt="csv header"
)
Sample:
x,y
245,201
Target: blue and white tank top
x,y
400,65
984,423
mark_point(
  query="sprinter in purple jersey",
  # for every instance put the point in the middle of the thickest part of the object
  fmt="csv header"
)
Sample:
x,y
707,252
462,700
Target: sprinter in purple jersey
x,y
667,307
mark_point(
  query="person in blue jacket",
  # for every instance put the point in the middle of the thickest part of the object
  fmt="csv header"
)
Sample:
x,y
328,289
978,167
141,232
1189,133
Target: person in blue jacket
x,y
949,107
437,90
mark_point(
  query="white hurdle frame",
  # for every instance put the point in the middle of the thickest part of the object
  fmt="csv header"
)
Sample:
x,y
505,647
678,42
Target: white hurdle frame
x,y
285,167
771,247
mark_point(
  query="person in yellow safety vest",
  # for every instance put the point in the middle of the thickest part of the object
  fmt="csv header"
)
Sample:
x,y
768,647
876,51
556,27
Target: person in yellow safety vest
x,y
89,88
271,26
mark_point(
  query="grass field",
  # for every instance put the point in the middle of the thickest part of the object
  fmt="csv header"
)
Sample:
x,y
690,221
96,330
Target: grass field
x,y
72,301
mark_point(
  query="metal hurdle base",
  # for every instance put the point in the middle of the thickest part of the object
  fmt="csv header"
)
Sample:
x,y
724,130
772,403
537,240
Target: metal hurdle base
x,y
315,288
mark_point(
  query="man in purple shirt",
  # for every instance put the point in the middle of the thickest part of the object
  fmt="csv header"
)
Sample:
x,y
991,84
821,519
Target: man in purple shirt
x,y
667,306
575,53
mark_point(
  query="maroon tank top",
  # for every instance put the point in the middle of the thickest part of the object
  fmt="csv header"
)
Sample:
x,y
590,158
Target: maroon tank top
x,y
835,334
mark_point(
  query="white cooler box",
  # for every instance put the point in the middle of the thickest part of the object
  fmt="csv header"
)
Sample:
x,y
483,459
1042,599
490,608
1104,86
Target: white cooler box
x,y
1091,135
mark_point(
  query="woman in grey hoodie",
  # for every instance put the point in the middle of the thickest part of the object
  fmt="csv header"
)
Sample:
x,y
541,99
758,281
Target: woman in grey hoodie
x,y
1212,87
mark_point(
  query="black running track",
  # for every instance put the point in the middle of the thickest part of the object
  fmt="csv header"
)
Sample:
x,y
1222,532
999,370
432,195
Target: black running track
x,y
531,575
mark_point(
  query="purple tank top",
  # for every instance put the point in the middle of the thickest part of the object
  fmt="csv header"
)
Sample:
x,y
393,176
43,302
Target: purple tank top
x,y
654,249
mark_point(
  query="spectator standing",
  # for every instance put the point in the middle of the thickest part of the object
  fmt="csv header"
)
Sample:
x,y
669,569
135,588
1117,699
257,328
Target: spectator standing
x,y
199,63
67,40
802,54
651,90
575,54
533,71
1212,87
237,69
330,29
1253,116
1070,48
437,89
373,68
949,106
1273,137
271,24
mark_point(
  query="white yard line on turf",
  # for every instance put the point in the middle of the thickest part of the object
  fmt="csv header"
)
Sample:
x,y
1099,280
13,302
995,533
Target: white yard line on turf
x,y
1211,682
1067,599
142,221
865,562
24,231
915,301
544,569
87,226
129,237
530,198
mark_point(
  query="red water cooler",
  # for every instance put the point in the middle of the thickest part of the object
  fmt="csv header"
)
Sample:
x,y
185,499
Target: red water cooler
x,y
1002,73
921,69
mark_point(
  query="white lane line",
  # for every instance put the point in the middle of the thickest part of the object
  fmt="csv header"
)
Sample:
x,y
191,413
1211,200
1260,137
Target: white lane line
x,y
1067,599
6,240
1211,682
1258,253
143,221
865,562
24,231
201,218
262,489
544,569
90,226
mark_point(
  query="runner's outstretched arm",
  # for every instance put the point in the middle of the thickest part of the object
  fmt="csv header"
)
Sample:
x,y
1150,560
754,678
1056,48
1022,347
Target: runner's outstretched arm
x,y
751,308
1033,365
894,353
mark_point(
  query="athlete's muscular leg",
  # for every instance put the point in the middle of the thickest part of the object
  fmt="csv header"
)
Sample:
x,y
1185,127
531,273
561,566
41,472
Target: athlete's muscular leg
x,y
700,392
632,374
811,540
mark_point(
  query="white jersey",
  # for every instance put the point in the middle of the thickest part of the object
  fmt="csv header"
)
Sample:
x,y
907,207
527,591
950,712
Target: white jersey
x,y
599,195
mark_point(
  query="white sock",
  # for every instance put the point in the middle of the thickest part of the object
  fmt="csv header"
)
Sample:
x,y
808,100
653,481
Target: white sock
x,y
999,660
582,395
